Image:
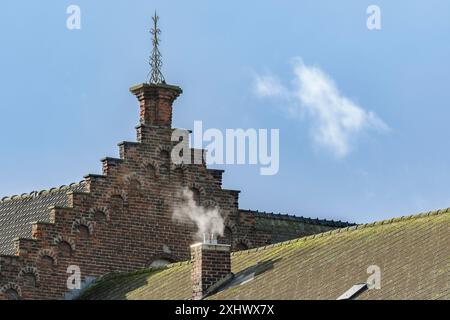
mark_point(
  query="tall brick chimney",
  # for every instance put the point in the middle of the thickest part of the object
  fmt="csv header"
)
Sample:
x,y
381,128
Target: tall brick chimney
x,y
211,263
156,103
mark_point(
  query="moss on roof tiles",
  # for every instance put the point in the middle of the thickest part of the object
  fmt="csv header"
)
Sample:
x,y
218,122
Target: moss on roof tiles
x,y
413,254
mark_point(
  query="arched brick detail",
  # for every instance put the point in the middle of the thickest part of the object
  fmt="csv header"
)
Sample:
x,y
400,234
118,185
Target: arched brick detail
x,y
232,230
232,225
30,270
11,286
209,204
104,210
182,167
62,238
162,148
129,179
82,222
244,240
48,253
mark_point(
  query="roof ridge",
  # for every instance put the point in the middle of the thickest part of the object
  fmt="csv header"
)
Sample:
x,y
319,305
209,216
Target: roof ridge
x,y
35,194
291,216
347,229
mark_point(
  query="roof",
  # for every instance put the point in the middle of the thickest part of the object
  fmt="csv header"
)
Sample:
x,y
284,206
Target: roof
x,y
413,254
17,213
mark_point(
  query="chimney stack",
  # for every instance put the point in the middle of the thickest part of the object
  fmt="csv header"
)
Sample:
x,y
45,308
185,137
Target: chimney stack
x,y
211,263
156,103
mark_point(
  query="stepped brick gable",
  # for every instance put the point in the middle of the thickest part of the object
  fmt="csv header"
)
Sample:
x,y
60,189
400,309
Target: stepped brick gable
x,y
121,221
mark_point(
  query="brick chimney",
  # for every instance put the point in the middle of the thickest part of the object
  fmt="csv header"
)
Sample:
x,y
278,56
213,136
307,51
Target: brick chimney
x,y
211,263
156,103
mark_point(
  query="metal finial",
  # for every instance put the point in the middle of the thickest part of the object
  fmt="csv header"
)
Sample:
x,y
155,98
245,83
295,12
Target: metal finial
x,y
156,76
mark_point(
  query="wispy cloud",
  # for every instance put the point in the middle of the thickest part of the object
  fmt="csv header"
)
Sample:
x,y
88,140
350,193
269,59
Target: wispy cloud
x,y
337,120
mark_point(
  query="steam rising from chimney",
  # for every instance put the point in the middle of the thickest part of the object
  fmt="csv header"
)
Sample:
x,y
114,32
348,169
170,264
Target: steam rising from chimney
x,y
208,221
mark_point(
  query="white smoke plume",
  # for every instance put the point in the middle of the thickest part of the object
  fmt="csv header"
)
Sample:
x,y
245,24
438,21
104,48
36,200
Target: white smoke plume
x,y
208,221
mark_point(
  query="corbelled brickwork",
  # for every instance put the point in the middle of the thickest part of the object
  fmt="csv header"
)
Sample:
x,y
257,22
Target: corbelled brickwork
x,y
412,252
121,221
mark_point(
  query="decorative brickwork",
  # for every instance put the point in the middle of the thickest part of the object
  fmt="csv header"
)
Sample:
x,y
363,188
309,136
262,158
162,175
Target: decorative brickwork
x,y
412,253
121,221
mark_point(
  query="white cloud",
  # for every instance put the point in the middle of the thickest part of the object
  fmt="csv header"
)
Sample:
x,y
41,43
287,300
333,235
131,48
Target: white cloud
x,y
337,120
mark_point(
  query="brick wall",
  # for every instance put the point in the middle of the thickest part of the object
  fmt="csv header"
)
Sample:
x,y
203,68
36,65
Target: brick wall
x,y
123,222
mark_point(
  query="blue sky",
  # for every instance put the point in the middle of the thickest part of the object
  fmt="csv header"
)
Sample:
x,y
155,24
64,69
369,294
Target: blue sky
x,y
65,103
